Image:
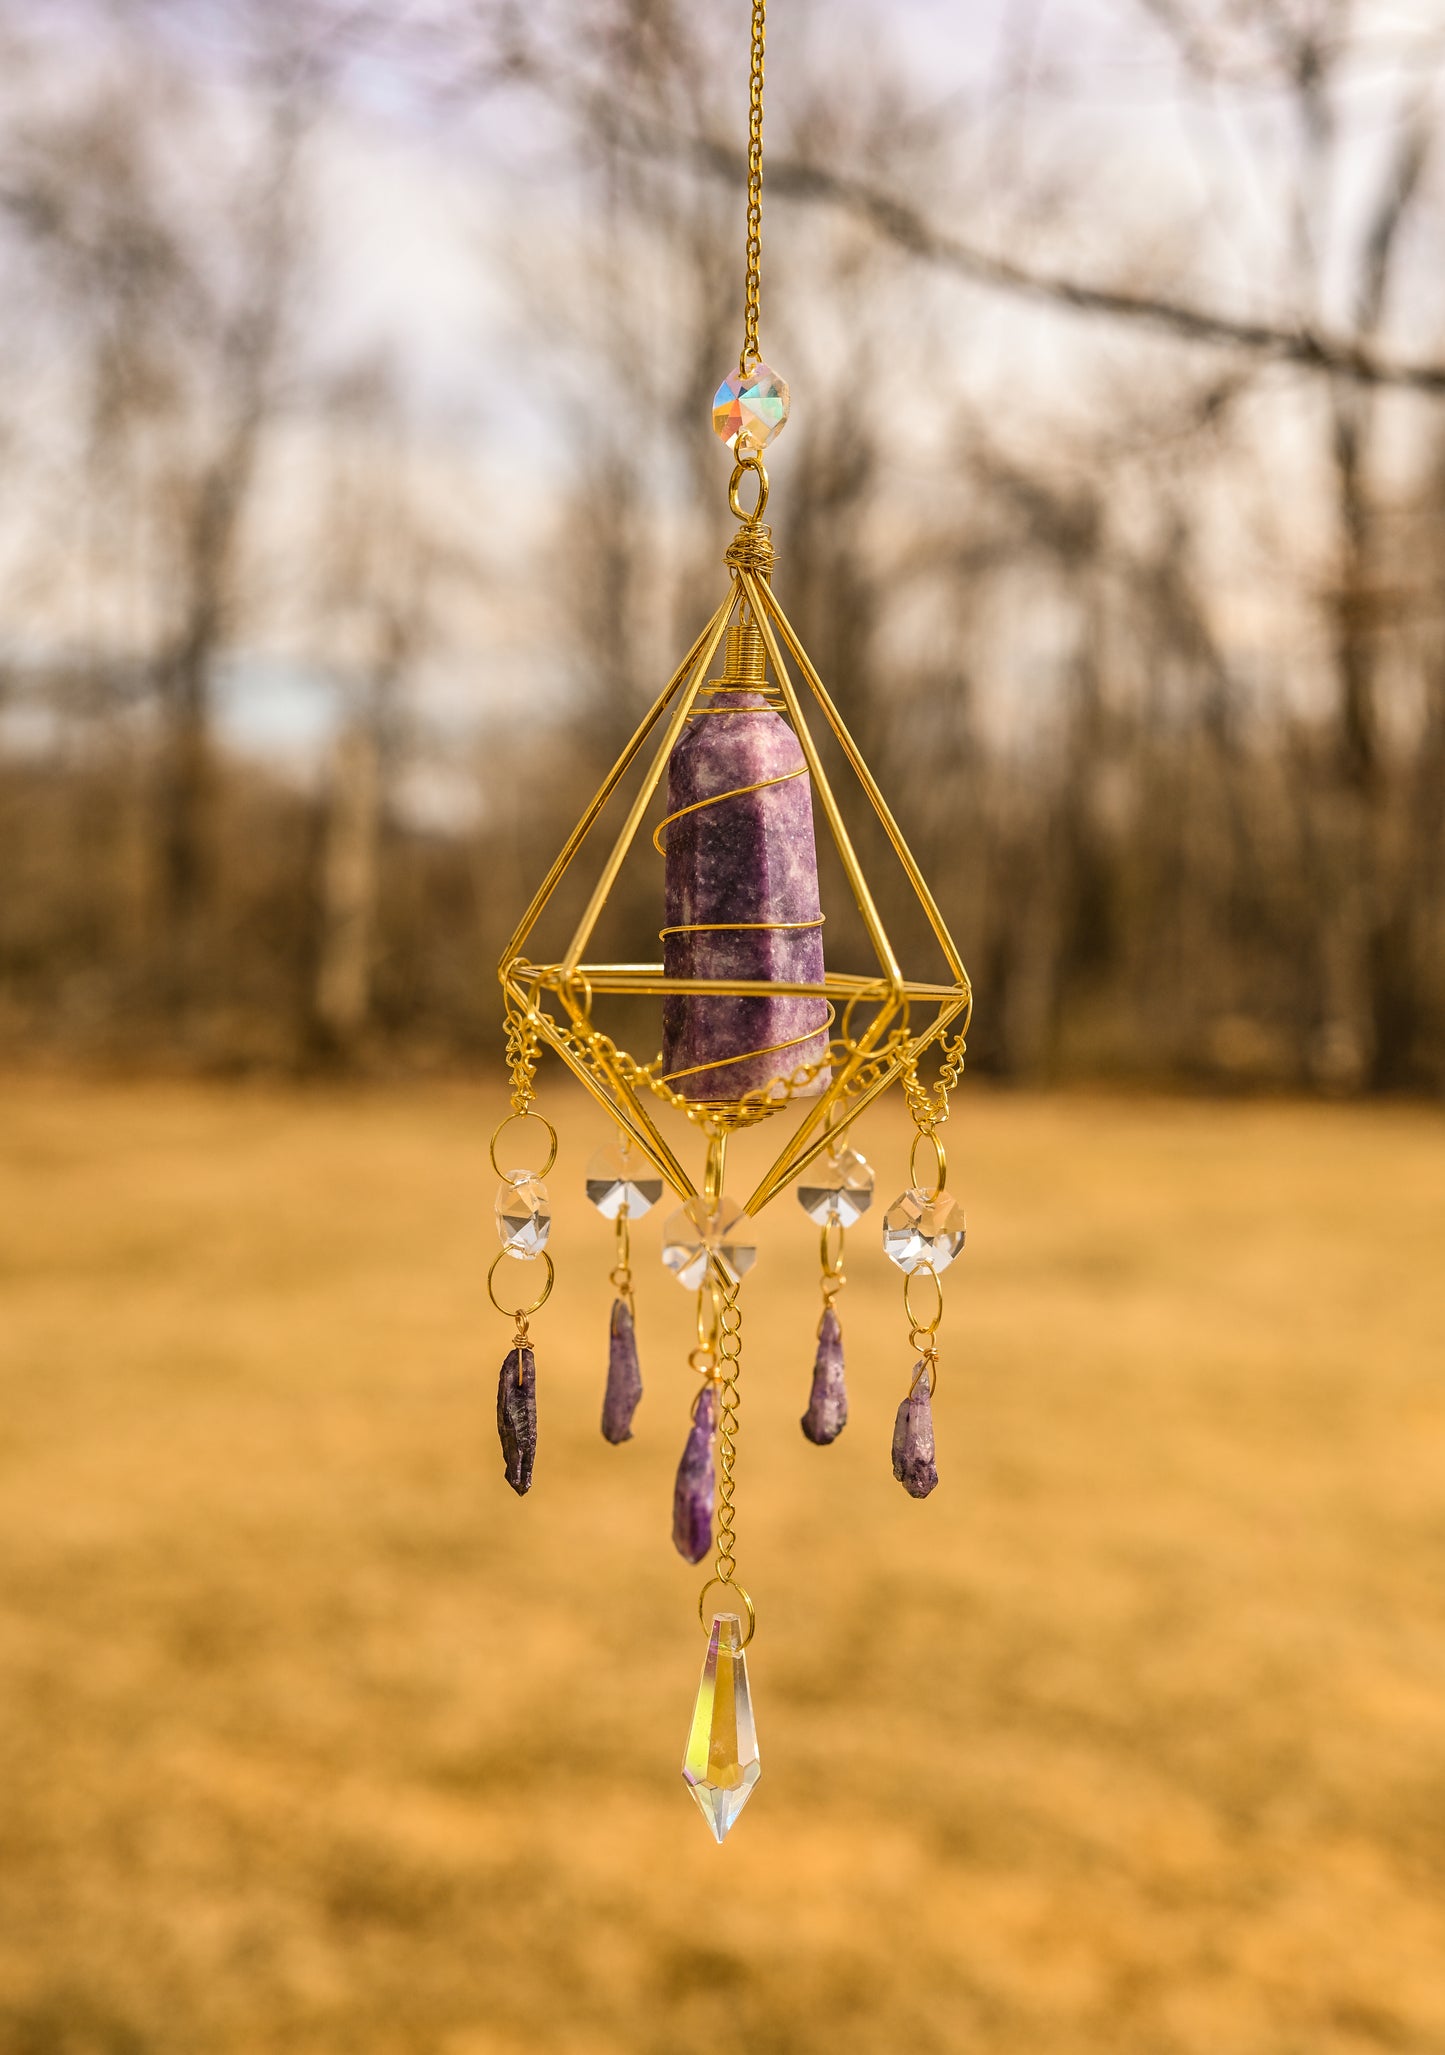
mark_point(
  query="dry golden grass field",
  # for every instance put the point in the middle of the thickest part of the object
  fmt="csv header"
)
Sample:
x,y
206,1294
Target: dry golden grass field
x,y
315,1740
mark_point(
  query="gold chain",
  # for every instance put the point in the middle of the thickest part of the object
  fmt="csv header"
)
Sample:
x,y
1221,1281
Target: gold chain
x,y
521,1057
750,351
930,1108
729,1349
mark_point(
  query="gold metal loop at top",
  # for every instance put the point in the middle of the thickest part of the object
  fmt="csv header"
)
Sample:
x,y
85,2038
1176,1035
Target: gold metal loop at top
x,y
497,1132
940,1162
741,1590
749,461
916,1325
831,1251
519,1313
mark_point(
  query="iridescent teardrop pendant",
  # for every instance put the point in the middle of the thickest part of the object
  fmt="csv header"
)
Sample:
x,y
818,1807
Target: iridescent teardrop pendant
x,y
721,1764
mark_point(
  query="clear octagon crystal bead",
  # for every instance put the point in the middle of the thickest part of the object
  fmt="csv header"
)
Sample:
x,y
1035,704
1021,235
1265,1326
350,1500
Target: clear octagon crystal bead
x,y
750,408
619,1176
836,1187
923,1227
524,1214
697,1231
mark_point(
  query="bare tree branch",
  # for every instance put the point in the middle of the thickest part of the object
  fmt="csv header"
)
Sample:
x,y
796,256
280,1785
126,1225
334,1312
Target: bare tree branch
x,y
904,226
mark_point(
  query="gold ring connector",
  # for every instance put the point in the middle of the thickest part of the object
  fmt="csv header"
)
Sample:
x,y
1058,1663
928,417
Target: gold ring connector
x,y
502,1125
727,1584
520,1313
940,1163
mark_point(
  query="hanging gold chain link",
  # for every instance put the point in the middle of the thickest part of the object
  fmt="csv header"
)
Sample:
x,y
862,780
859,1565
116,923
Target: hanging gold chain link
x,y
930,1108
729,1369
750,352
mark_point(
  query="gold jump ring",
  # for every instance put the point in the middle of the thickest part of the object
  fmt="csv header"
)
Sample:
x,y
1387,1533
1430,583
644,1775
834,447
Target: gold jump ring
x,y
520,1312
939,1159
728,1584
915,1324
750,462
502,1125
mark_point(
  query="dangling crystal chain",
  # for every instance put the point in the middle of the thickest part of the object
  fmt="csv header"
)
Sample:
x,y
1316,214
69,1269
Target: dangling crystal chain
x,y
750,351
730,1349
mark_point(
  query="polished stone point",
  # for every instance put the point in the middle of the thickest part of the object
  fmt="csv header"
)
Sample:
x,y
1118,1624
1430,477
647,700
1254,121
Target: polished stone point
x,y
827,1413
517,1417
913,1463
624,1376
693,1494
750,859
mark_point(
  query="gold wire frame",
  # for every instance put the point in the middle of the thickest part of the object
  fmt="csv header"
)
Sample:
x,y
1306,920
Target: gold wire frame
x,y
864,1061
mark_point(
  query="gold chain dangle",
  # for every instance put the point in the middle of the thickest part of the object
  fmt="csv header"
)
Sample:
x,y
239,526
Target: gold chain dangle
x,y
923,1231
753,290
524,1223
623,1185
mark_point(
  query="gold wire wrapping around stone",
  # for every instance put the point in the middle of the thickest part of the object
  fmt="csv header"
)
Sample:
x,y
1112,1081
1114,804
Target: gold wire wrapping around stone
x,y
762,1094
716,799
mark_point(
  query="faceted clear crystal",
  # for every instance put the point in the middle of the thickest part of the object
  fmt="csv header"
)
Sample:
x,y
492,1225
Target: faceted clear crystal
x,y
836,1187
721,1764
698,1230
923,1227
524,1214
619,1176
750,408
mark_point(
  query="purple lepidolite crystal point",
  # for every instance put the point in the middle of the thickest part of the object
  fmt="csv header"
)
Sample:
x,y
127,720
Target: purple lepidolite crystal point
x,y
692,1498
913,1463
734,867
624,1375
517,1417
827,1413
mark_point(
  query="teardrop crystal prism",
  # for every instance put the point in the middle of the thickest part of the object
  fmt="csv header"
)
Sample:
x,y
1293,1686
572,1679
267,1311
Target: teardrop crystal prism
x,y
721,1765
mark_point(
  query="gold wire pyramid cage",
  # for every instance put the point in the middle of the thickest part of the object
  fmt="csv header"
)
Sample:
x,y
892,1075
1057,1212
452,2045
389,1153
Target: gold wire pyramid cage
x,y
880,1025
735,742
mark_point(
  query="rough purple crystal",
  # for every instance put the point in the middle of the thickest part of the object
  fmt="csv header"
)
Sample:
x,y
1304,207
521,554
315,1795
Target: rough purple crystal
x,y
913,1463
746,859
624,1376
692,1498
827,1413
517,1417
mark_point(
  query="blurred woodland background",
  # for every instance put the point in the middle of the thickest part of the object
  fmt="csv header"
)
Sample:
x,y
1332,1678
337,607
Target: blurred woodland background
x,y
361,491
355,369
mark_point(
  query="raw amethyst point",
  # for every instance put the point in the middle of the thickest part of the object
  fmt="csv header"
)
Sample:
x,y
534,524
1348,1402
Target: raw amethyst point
x,y
692,1498
624,1376
517,1417
827,1413
913,1463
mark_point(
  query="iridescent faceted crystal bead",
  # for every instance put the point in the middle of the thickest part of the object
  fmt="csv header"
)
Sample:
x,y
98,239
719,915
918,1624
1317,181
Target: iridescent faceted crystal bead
x,y
750,408
697,1231
721,1764
923,1228
619,1176
524,1214
837,1186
